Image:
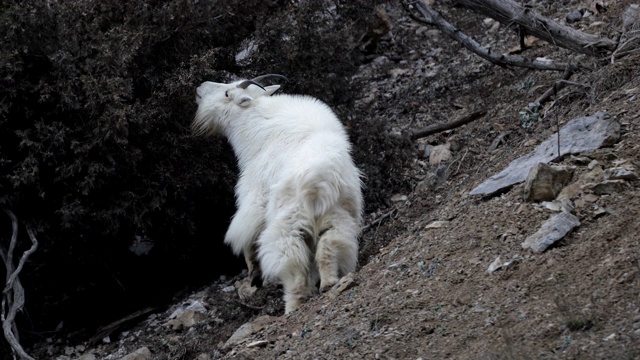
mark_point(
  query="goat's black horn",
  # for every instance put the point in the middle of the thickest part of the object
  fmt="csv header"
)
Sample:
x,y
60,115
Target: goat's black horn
x,y
246,83
270,76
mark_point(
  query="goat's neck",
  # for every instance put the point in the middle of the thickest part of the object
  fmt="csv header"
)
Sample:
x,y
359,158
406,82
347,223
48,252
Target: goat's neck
x,y
248,141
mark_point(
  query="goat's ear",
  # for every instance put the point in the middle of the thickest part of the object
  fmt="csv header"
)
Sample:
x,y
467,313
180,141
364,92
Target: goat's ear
x,y
269,90
244,100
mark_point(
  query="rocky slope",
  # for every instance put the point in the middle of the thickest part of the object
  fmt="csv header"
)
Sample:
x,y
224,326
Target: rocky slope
x,y
423,289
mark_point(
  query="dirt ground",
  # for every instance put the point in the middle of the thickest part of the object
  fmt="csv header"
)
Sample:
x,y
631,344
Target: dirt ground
x,y
424,292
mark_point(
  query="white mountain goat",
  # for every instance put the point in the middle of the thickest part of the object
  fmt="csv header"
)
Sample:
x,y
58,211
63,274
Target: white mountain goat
x,y
299,193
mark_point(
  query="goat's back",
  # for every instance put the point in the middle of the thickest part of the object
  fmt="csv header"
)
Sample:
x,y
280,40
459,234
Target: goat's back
x,y
300,150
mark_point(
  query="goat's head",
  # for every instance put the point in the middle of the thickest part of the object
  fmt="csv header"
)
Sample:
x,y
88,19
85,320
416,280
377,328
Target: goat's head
x,y
217,101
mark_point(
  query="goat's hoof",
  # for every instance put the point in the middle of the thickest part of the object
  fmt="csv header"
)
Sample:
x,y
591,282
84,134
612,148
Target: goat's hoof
x,y
256,279
326,287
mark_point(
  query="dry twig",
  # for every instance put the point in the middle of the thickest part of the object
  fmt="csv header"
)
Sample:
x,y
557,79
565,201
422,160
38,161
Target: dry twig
x,y
379,219
555,87
13,293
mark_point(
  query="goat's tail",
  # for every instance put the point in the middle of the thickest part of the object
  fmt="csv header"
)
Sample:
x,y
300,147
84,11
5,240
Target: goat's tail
x,y
319,189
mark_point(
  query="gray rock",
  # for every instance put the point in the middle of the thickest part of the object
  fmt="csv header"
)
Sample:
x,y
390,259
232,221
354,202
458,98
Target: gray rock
x,y
89,356
427,151
631,18
198,306
186,319
495,265
440,153
621,173
578,135
545,182
141,354
574,16
554,229
245,290
439,176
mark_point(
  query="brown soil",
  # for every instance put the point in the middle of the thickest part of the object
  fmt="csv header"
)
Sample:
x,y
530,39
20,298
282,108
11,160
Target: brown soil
x,y
426,293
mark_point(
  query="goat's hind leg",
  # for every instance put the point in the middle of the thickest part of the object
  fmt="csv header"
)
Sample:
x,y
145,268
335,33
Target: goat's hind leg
x,y
251,258
337,249
284,255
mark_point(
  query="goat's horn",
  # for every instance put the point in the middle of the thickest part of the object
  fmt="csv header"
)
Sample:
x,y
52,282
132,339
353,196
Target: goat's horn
x,y
246,83
270,76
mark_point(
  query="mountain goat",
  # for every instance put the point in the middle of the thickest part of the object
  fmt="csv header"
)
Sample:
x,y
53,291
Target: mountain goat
x,y
298,197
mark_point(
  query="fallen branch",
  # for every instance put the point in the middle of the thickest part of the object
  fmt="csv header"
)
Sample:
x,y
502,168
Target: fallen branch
x,y
436,128
251,307
126,321
13,293
432,17
509,13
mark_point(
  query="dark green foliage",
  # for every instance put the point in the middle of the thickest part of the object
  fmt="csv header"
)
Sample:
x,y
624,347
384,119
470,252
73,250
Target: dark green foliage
x,y
96,98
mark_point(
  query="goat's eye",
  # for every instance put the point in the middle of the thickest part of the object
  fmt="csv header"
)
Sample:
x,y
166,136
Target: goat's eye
x,y
226,93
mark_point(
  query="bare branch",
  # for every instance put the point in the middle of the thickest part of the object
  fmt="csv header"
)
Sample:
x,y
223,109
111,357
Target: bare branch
x,y
436,128
23,259
509,12
13,293
627,47
432,17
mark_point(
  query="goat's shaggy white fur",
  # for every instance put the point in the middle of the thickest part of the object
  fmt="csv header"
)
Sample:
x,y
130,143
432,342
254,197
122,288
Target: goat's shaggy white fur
x,y
299,193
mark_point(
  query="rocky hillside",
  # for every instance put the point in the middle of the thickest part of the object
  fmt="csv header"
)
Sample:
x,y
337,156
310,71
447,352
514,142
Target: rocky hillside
x,y
445,274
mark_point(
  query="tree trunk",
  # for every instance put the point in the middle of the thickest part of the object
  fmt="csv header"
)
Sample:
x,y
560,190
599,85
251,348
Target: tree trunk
x,y
509,13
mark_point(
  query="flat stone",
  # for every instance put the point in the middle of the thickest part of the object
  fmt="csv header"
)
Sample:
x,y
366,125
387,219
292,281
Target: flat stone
x,y
578,135
607,187
554,229
559,205
347,282
89,356
248,329
437,224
